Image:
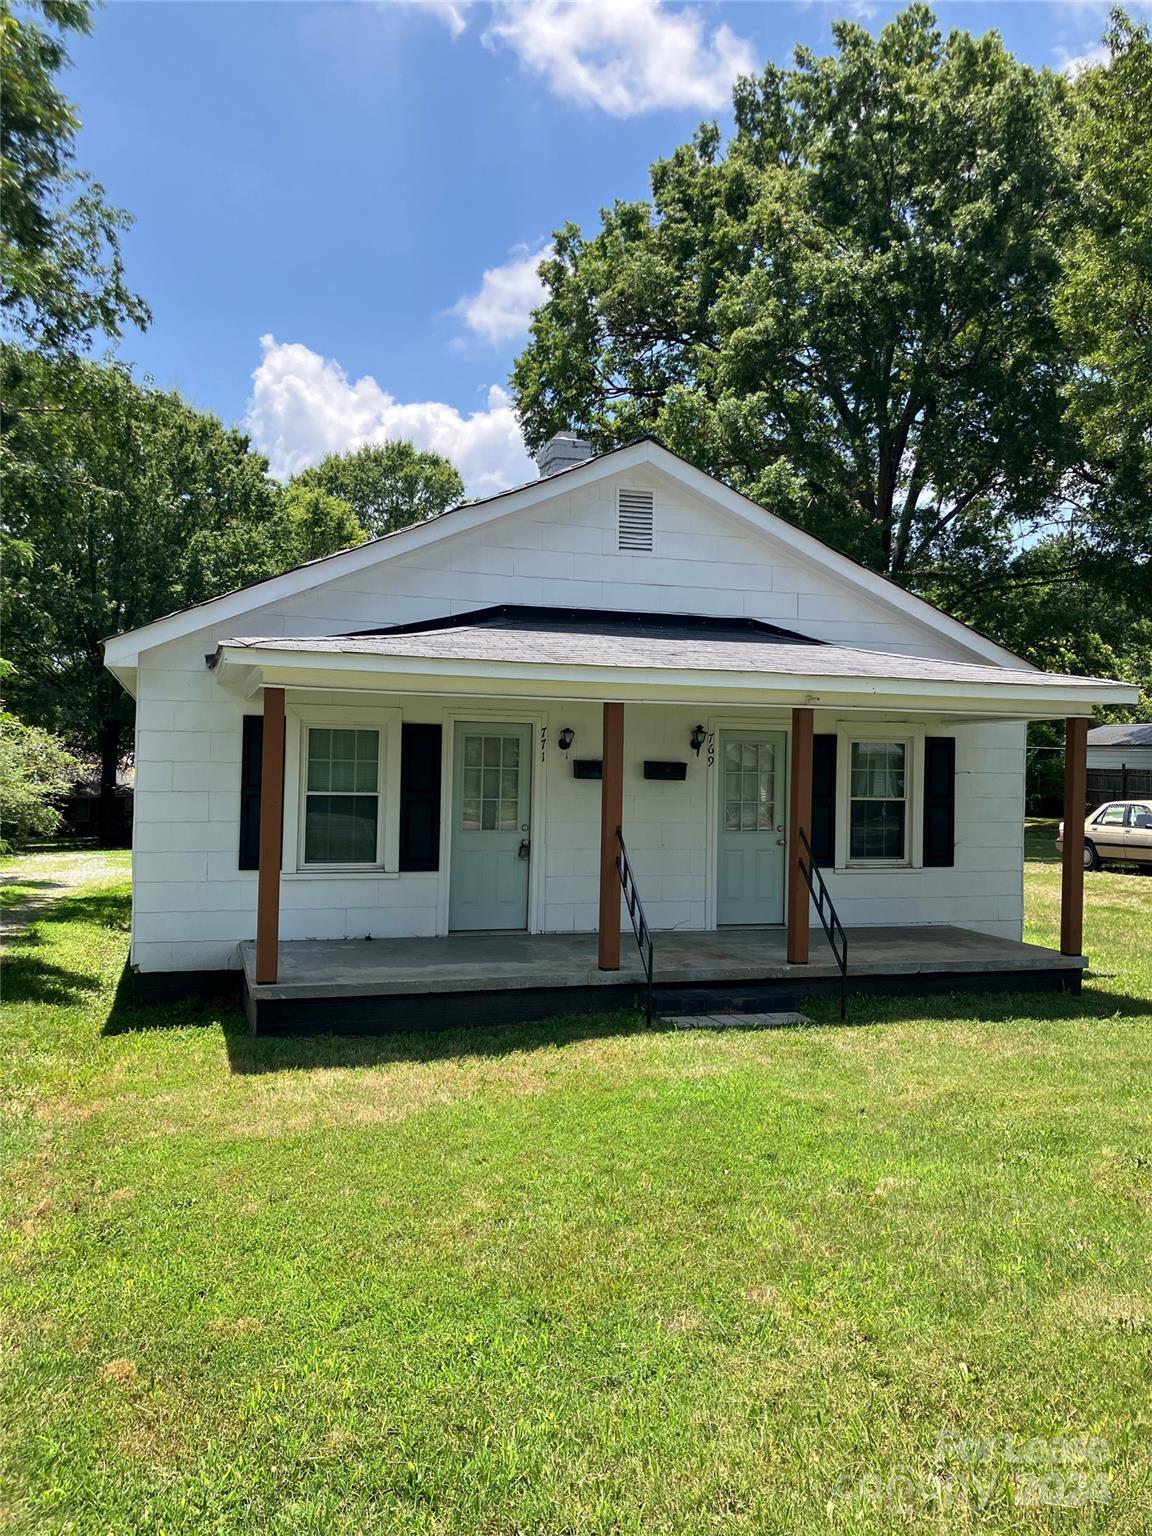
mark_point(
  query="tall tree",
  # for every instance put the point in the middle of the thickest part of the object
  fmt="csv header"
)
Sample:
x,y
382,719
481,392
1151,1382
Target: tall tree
x,y
307,524
387,485
61,273
1104,303
846,312
108,484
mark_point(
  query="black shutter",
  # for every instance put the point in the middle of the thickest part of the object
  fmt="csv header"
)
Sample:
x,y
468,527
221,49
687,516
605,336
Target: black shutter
x,y
939,802
420,798
251,766
824,799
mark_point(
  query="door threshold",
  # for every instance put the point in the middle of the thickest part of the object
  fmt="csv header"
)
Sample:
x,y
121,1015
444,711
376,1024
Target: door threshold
x,y
750,927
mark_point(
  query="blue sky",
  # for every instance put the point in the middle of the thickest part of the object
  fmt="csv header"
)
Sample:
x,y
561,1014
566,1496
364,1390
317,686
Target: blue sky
x,y
338,204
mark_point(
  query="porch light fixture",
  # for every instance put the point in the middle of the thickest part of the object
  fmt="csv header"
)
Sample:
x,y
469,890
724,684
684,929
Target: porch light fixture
x,y
565,739
697,739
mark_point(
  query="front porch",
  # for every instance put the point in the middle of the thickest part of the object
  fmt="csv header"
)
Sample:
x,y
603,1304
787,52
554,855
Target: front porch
x,y
396,985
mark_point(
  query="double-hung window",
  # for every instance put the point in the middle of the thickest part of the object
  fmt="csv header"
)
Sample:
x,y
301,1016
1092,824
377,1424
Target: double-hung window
x,y
342,796
878,801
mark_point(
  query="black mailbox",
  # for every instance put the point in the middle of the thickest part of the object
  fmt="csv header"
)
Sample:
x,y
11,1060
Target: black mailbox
x,y
587,768
655,770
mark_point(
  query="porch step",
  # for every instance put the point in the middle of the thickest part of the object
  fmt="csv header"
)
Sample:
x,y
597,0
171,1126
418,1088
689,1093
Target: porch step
x,y
737,1020
726,1002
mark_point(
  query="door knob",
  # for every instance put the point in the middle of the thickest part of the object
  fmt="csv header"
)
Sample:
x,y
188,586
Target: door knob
x,y
523,851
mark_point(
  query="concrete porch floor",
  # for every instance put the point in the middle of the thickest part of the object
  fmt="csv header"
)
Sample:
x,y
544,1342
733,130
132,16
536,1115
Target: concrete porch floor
x,y
508,962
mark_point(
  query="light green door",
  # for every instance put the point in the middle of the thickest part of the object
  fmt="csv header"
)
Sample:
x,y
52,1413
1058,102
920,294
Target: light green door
x,y
750,844
491,800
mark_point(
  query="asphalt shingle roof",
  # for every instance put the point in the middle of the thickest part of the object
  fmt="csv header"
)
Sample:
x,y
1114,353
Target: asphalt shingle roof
x,y
1120,736
553,647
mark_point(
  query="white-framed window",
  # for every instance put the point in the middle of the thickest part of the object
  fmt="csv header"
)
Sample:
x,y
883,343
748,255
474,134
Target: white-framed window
x,y
341,790
342,796
879,773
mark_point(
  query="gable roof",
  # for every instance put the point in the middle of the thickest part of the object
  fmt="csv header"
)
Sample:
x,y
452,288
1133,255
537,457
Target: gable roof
x,y
1120,736
122,651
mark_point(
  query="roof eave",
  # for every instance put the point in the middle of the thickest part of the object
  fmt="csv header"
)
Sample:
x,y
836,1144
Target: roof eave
x,y
248,667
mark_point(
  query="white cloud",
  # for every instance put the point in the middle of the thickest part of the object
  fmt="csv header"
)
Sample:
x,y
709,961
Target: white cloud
x,y
1077,64
502,308
624,56
303,406
453,13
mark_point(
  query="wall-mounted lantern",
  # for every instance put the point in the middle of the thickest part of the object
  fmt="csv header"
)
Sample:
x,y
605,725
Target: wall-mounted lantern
x,y
565,739
697,739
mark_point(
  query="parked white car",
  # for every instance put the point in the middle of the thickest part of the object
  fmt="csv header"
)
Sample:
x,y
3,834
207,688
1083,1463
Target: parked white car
x,y
1118,832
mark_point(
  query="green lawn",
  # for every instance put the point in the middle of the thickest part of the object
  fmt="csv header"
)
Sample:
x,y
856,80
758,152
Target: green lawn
x,y
577,1278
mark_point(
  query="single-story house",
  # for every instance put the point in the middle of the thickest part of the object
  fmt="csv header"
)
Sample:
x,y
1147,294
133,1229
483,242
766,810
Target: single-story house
x,y
1119,762
439,776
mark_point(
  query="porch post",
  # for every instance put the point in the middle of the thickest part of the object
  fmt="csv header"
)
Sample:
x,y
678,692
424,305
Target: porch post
x,y
1072,860
271,836
799,816
611,818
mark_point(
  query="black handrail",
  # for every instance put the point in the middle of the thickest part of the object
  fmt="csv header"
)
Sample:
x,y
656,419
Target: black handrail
x,y
826,912
639,922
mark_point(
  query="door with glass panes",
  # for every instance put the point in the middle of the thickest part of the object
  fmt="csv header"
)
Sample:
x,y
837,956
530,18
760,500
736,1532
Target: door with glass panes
x,y
491,800
751,838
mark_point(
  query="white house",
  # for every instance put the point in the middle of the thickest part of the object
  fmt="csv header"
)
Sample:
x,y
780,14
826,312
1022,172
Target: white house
x,y
440,741
1119,762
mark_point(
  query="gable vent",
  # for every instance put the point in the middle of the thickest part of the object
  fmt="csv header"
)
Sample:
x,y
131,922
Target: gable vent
x,y
634,520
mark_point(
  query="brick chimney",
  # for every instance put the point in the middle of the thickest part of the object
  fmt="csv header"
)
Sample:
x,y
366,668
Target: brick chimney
x,y
561,451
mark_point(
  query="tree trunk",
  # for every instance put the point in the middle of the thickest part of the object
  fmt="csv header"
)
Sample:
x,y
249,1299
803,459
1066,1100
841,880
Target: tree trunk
x,y
108,823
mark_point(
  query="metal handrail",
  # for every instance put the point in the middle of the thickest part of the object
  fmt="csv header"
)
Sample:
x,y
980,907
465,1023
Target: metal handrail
x,y
640,928
826,912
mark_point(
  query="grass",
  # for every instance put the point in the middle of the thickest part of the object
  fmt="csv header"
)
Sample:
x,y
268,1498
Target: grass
x,y
575,1278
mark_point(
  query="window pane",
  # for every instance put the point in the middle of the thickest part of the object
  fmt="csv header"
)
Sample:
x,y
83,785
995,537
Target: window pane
x,y
343,761
877,829
877,770
473,746
1113,816
340,829
491,751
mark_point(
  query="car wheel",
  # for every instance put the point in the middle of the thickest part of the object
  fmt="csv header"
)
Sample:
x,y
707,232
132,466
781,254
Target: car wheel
x,y
1091,857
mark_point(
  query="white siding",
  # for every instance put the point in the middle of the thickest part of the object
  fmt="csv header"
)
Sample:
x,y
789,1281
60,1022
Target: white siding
x,y
1120,757
192,906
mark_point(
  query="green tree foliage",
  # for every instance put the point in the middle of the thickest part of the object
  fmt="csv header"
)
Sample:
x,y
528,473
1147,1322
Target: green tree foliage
x,y
61,273
35,769
307,524
1104,303
846,312
108,485
387,485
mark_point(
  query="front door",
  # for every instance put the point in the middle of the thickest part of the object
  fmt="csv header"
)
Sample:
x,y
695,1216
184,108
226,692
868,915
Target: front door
x,y
751,841
491,797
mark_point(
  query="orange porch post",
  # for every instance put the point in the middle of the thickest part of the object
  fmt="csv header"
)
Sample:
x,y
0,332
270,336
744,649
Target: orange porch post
x,y
1072,858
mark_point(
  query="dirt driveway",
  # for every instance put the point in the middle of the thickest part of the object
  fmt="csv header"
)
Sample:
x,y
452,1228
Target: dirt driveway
x,y
32,881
